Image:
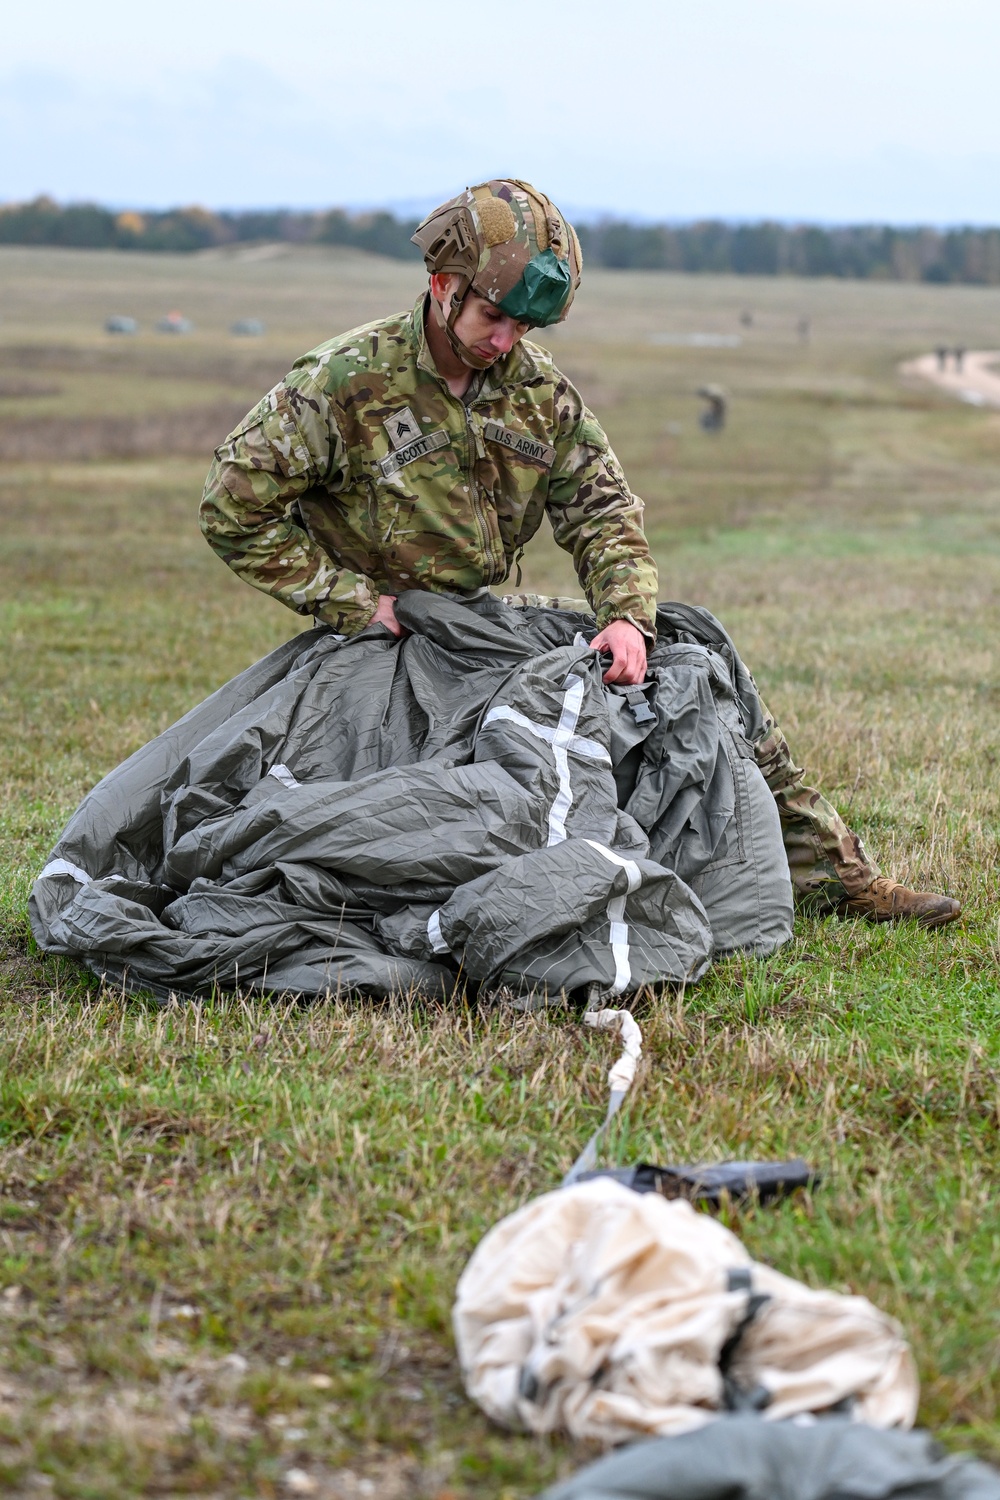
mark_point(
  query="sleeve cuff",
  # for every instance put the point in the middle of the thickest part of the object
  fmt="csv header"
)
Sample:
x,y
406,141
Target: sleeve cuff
x,y
346,621
644,625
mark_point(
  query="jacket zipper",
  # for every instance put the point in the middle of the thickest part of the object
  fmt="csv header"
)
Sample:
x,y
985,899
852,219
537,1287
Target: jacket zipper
x,y
494,556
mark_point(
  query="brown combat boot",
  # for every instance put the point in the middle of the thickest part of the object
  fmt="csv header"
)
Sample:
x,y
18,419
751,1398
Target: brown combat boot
x,y
886,900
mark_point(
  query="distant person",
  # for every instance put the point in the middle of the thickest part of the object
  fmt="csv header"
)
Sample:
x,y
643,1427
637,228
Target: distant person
x,y
959,359
713,417
422,451
803,330
942,358
746,318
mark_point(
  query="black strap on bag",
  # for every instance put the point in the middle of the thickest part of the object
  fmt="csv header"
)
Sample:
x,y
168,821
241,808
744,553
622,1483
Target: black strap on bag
x,y
710,1186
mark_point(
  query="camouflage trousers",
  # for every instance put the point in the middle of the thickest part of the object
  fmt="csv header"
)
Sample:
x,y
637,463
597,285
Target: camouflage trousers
x,y
825,859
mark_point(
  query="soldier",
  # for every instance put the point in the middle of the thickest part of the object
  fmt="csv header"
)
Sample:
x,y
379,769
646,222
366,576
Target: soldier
x,y
713,418
423,450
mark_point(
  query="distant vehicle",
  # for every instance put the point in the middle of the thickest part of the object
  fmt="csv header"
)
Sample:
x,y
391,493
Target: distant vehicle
x,y
247,328
174,322
119,323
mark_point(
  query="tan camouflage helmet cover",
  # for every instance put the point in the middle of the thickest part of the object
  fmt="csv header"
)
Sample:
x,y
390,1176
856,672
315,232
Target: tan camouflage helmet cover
x,y
510,244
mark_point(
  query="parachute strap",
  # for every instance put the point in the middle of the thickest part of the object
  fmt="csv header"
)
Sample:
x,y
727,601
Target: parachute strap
x,y
620,1078
469,356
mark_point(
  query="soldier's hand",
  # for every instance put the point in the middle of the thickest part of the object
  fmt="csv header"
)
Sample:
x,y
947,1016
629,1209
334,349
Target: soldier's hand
x,y
627,647
386,614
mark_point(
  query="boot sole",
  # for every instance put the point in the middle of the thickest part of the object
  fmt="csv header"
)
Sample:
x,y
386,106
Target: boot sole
x,y
927,921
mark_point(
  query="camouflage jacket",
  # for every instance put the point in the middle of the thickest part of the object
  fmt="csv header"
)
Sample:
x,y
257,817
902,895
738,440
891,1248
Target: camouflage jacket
x,y
361,474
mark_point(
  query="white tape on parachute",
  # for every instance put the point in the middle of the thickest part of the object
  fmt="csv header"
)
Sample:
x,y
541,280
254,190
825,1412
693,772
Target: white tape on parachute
x,y
63,867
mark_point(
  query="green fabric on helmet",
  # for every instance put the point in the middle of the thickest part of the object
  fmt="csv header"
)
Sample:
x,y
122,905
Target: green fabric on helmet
x,y
540,295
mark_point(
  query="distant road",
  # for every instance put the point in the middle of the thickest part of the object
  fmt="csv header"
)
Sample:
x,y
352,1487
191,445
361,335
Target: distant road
x,y
978,382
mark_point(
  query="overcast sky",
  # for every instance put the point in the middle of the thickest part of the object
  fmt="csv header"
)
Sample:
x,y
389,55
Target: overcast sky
x,y
834,110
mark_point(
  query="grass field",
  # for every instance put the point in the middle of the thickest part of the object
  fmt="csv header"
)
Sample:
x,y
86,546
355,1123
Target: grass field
x,y
230,1234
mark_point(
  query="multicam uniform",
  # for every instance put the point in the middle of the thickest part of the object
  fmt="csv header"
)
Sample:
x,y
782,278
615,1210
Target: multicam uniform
x,y
397,484
361,474
825,859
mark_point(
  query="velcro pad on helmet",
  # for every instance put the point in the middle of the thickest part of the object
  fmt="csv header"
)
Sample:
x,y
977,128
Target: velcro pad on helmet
x,y
496,217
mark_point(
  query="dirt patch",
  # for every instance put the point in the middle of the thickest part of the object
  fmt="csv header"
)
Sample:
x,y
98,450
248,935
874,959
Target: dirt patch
x,y
976,381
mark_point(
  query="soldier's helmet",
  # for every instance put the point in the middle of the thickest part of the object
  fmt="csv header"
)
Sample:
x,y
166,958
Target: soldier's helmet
x,y
510,244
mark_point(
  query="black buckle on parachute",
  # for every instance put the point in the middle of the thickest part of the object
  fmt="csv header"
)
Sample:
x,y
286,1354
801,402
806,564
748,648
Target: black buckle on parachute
x,y
636,700
710,1186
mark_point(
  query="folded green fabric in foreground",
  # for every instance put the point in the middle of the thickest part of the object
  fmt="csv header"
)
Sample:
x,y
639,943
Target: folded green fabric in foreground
x,y
469,804
743,1458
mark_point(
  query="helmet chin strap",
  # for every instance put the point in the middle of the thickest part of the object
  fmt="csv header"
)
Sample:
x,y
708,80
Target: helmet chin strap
x,y
466,355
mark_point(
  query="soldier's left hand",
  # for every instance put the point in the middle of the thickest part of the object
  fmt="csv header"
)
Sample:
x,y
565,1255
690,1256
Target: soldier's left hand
x,y
627,647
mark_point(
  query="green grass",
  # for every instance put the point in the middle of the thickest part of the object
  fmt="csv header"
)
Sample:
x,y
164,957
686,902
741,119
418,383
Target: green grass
x,y
230,1234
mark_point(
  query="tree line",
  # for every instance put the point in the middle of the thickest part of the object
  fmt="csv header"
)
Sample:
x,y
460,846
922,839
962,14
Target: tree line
x,y
89,226
867,251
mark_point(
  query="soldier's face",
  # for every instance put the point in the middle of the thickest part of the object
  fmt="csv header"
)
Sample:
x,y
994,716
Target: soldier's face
x,y
480,326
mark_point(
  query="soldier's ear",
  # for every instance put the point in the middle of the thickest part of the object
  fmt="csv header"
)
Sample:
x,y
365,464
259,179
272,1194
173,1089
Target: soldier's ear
x,y
443,285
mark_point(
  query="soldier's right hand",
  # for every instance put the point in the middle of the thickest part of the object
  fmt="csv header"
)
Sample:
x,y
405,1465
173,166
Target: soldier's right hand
x,y
626,646
386,614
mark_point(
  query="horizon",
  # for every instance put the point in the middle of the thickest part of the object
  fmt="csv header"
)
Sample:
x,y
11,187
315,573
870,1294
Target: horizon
x,y
591,217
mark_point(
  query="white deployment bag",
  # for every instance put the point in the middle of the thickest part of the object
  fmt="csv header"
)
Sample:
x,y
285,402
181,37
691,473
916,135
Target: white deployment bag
x,y
611,1315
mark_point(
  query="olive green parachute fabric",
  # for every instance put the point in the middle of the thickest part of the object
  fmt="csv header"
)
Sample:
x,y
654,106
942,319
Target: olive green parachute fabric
x,y
744,1458
468,804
